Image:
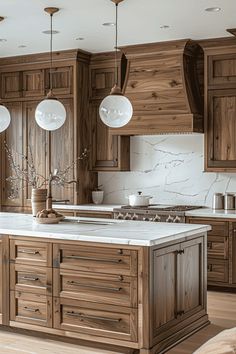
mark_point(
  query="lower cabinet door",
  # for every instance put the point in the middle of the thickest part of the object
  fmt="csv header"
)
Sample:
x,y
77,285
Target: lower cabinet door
x,y
31,309
95,319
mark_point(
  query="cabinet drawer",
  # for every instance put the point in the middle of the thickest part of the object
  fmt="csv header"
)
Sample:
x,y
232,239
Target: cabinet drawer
x,y
31,308
217,270
101,288
95,259
35,253
219,228
103,320
217,247
31,279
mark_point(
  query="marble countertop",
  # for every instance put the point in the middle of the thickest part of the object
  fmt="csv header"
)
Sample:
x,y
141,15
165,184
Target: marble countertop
x,y
87,207
211,213
138,233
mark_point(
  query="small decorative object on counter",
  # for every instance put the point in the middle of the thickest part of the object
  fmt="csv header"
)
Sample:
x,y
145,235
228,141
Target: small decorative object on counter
x,y
139,199
48,216
229,201
218,201
38,200
98,195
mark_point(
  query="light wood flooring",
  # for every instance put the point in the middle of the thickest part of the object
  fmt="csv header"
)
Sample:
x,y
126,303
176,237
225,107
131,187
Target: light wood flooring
x,y
221,309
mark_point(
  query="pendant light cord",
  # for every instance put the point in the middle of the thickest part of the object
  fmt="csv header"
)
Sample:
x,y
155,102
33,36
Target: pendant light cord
x,y
116,49
51,54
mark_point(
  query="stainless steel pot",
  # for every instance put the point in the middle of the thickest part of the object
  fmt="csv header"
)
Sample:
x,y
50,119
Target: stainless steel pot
x,y
218,201
229,201
139,199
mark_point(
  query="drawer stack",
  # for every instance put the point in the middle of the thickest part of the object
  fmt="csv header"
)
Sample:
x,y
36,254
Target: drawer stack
x,y
95,289
31,282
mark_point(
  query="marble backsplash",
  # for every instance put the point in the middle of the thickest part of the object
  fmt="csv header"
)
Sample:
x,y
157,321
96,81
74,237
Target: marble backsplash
x,y
171,169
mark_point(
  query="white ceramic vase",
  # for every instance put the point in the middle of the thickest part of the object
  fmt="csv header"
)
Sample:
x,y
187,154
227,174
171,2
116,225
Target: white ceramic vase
x,y
97,197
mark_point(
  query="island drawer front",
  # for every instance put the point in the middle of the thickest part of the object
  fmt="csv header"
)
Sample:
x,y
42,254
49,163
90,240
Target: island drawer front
x,y
101,288
95,259
219,228
30,252
31,308
217,270
103,320
218,247
31,279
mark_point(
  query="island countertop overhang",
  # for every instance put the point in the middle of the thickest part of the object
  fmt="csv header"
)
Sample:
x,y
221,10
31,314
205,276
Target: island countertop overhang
x,y
137,233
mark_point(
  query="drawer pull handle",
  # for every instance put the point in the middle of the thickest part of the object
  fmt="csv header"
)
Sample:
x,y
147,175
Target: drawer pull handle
x,y
209,268
94,259
179,313
30,278
29,309
81,315
29,252
209,245
93,286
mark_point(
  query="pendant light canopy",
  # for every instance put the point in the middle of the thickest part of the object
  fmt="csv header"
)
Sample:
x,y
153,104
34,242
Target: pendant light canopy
x,y
50,113
116,110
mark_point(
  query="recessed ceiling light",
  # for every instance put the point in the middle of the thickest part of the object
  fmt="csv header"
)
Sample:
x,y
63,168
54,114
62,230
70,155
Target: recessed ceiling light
x,y
109,24
22,46
80,39
3,40
164,26
49,32
213,9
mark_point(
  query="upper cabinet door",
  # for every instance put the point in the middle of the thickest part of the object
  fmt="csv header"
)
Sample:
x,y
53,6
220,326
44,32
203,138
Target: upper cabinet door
x,y
11,85
62,154
62,80
221,130
102,80
33,83
35,144
222,71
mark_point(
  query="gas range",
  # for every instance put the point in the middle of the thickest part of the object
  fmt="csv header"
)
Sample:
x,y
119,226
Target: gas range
x,y
154,212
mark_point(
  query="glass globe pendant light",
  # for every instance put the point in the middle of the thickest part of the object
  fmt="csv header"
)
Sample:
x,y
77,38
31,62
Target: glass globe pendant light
x,y
50,113
5,118
116,110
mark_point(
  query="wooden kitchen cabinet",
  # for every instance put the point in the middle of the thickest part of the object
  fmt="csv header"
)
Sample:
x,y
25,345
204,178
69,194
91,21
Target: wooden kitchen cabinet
x,y
141,298
24,83
108,153
220,105
221,252
180,269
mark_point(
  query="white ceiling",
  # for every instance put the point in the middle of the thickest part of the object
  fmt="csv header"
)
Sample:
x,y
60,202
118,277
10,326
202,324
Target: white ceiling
x,y
139,22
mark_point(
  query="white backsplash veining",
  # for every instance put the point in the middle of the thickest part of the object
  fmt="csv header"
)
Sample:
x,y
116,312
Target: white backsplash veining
x,y
171,169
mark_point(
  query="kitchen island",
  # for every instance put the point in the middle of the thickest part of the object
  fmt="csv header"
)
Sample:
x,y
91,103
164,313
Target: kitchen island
x,y
127,285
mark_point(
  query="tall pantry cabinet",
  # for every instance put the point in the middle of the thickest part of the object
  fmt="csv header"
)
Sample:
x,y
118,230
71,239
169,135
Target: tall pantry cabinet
x,y
24,83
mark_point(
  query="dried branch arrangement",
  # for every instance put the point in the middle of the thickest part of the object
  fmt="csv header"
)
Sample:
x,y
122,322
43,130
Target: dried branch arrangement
x,y
24,172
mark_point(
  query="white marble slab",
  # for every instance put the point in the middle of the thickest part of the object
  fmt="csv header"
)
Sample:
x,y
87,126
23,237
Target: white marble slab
x,y
116,232
211,213
87,207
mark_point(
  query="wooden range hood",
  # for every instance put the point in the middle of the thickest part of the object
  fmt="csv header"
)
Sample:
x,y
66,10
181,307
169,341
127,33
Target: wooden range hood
x,y
164,82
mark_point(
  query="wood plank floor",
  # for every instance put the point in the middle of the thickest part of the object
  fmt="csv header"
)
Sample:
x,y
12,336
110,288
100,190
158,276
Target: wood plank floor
x,y
221,309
